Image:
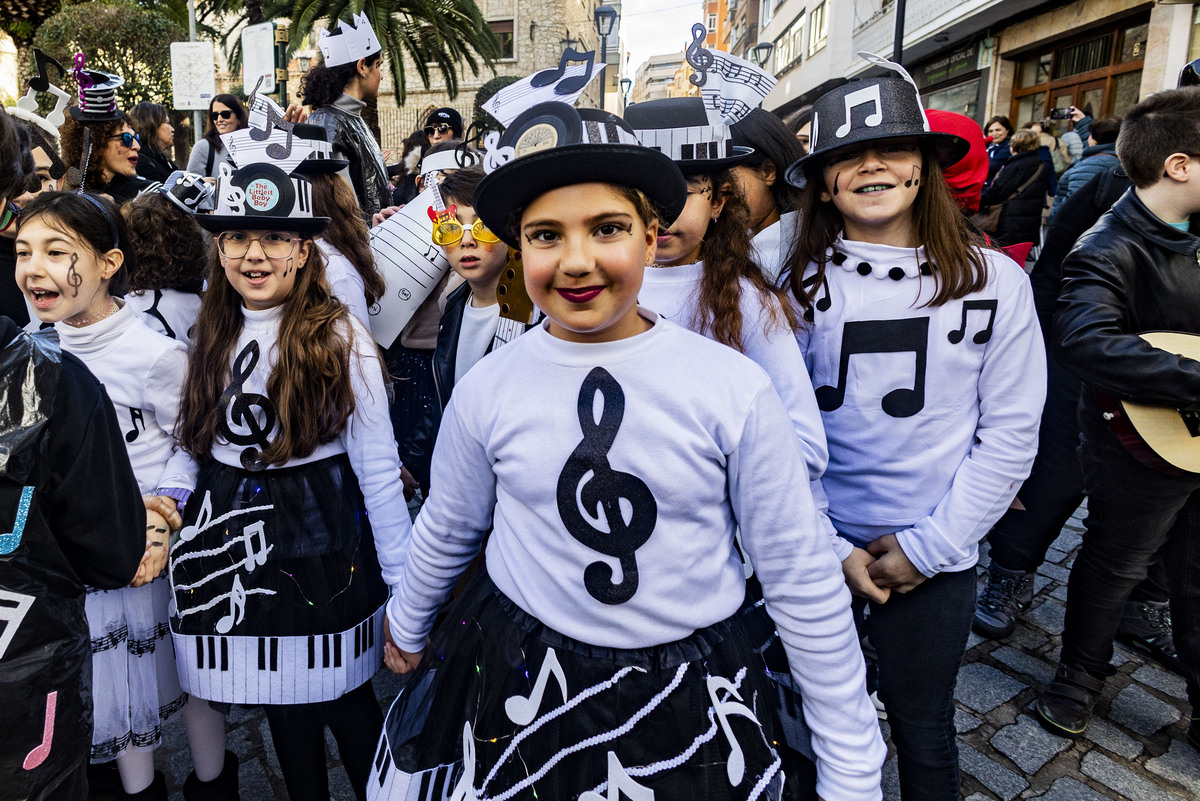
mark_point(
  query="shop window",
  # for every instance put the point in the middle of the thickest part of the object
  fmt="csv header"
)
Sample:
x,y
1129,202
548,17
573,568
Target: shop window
x,y
1133,43
1126,89
1034,71
1083,57
818,28
503,31
962,99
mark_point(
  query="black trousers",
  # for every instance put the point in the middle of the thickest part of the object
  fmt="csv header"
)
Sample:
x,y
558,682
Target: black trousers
x,y
1135,516
299,734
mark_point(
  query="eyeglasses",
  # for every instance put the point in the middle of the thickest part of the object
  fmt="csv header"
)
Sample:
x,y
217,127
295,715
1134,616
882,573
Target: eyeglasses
x,y
224,115
441,128
451,232
127,138
235,244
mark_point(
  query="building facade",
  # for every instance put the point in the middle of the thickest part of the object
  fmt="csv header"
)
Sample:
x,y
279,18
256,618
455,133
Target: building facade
x,y
656,77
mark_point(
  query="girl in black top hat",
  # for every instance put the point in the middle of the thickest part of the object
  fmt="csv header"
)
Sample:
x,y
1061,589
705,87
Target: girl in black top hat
x,y
928,366
601,651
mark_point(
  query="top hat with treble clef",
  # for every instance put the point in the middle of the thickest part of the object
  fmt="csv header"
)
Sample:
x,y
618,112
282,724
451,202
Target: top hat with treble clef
x,y
871,110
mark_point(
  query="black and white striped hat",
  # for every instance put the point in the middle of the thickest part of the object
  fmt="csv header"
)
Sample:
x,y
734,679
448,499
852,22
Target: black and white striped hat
x,y
320,161
553,145
680,127
97,94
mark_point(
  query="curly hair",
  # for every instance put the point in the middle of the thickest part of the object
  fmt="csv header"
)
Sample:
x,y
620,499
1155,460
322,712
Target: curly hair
x,y
728,269
322,85
309,384
70,143
347,233
172,250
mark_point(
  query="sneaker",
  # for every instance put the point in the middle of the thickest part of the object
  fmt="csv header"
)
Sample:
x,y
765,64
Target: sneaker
x,y
1007,593
1065,706
1146,626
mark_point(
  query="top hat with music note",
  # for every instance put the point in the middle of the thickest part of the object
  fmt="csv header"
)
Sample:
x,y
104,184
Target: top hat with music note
x,y
871,110
320,161
97,94
553,145
262,197
679,127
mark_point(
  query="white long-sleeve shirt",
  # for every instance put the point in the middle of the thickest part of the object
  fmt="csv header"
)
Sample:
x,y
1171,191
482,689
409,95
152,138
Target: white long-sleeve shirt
x,y
367,439
771,247
347,284
167,311
931,412
673,293
143,372
701,429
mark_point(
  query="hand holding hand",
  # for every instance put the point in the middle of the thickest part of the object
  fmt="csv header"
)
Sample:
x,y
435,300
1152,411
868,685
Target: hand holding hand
x,y
858,579
892,568
398,661
166,507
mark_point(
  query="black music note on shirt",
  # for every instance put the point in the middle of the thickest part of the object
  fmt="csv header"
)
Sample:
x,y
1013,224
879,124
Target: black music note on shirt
x,y
983,336
240,408
135,417
274,150
41,81
603,492
698,57
566,86
821,304
154,312
882,336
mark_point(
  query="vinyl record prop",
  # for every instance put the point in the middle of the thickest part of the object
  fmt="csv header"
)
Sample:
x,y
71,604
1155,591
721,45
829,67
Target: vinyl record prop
x,y
262,197
97,94
871,110
553,145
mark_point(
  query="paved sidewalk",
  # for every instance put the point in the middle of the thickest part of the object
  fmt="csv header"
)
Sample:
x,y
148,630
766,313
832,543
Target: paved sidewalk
x,y
1134,748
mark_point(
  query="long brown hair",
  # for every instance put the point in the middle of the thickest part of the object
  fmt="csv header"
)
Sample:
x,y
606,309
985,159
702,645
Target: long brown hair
x,y
727,263
335,199
309,384
954,251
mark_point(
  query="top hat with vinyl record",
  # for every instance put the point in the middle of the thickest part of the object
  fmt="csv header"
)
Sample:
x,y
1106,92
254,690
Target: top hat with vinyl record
x,y
262,197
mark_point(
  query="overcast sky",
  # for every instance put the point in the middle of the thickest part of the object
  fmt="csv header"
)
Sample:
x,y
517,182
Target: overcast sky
x,y
652,27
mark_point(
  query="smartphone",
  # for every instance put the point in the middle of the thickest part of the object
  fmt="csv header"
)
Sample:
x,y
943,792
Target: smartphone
x,y
1060,113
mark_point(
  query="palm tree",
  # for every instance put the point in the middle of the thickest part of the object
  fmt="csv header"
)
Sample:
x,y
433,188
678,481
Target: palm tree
x,y
450,35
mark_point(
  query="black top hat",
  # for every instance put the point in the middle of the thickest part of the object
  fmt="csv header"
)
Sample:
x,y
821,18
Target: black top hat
x,y
321,160
97,94
262,197
552,145
871,110
679,127
187,190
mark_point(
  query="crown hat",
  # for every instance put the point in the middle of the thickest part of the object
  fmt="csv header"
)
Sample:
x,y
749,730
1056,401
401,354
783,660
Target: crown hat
x,y
262,197
872,110
679,127
97,94
352,41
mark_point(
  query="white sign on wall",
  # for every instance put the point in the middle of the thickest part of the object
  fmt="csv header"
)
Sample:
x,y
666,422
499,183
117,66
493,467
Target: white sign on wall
x,y
258,57
193,75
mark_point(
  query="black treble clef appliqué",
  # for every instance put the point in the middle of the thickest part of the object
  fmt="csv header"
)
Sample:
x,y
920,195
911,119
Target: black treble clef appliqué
x,y
243,408
600,488
698,57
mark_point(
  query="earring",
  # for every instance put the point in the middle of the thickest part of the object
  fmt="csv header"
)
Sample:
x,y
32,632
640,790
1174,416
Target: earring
x,y
715,218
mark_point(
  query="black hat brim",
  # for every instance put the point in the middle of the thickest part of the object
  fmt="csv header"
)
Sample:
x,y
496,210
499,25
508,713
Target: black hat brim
x,y
320,166
523,180
709,166
951,149
216,223
79,115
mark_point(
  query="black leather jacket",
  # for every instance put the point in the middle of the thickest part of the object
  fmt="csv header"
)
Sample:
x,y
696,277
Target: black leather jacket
x,y
1129,274
353,140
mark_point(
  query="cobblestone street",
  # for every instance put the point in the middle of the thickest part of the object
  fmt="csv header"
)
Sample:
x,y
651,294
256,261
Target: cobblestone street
x,y
1134,748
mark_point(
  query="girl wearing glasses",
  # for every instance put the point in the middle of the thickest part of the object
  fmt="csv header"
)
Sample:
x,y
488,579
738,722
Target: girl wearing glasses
x,y
226,114
277,572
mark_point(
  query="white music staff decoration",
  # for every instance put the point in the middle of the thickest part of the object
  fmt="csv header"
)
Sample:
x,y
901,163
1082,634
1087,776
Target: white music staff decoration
x,y
733,88
563,83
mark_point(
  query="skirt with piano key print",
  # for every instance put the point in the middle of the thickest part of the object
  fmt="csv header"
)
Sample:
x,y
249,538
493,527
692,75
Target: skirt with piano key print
x,y
277,592
504,708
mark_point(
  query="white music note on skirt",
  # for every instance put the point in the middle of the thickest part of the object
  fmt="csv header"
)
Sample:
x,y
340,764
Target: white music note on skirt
x,y
724,708
619,783
256,557
522,710
465,789
237,607
861,97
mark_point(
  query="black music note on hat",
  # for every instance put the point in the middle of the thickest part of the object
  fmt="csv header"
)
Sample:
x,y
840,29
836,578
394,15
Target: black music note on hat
x,y
41,81
882,336
566,86
274,120
980,337
603,492
698,57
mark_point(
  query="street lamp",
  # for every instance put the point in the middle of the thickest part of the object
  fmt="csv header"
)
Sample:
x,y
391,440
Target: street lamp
x,y
761,53
626,85
606,18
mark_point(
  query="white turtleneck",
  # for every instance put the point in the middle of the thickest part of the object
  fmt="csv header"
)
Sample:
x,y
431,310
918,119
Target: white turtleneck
x,y
771,247
931,412
143,372
345,281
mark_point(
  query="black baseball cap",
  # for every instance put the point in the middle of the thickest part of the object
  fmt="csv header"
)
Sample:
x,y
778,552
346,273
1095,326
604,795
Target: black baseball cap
x,y
448,116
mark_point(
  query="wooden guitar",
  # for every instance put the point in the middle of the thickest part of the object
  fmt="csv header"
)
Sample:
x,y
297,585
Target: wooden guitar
x,y
1160,437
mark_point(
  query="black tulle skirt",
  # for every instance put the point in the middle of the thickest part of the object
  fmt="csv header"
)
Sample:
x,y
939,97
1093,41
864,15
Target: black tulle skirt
x,y
504,707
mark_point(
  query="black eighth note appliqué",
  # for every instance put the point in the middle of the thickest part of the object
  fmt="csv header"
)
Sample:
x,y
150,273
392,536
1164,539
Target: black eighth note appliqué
x,y
603,491
883,336
982,335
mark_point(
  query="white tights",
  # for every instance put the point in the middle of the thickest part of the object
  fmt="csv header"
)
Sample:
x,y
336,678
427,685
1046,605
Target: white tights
x,y
206,740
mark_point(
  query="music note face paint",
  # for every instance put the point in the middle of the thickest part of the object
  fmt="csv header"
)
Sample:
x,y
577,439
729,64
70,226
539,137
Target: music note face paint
x,y
584,248
874,187
60,275
680,244
265,282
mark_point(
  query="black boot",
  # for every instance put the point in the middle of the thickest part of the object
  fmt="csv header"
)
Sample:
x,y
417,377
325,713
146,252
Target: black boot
x,y
1146,626
222,788
1007,592
157,791
1065,706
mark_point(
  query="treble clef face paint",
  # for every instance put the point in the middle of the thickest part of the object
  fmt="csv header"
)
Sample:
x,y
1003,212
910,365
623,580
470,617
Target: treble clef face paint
x,y
60,275
262,279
